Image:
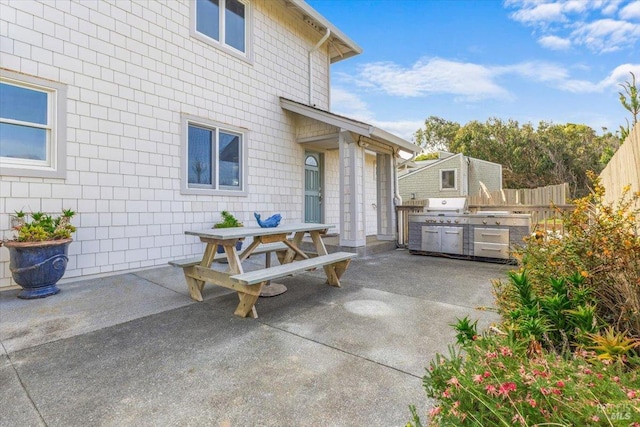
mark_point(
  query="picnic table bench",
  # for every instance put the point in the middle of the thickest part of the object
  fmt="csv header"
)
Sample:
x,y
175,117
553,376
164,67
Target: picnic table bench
x,y
248,285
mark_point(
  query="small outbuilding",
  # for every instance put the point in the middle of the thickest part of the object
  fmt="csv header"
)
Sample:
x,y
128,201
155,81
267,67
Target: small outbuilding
x,y
450,175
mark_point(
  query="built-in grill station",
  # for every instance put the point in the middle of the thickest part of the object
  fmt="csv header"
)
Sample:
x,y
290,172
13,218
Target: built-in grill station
x,y
447,228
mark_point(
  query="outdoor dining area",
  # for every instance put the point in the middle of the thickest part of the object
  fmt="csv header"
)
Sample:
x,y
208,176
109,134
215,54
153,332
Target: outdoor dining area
x,y
284,240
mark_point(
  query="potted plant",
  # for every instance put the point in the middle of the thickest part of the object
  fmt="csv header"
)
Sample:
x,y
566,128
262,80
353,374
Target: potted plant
x,y
38,254
228,221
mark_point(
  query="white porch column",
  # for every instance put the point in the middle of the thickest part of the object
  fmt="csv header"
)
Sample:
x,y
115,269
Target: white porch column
x,y
386,207
352,195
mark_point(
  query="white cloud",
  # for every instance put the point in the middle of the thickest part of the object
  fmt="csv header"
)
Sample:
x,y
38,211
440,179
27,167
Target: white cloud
x,y
403,128
432,76
535,70
466,81
631,11
585,23
554,42
606,35
349,104
617,76
539,13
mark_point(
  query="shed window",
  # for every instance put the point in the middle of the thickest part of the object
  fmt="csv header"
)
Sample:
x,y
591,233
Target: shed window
x,y
448,179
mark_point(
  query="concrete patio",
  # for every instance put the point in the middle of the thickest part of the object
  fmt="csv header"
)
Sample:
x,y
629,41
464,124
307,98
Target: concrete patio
x,y
135,350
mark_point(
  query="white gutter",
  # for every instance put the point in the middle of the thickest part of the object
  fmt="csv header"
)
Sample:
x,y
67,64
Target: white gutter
x,y
313,49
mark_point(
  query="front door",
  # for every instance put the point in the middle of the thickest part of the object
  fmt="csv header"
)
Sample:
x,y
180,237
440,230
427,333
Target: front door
x,y
312,188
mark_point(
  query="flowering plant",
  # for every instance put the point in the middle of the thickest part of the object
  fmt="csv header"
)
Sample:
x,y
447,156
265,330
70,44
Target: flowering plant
x,y
495,383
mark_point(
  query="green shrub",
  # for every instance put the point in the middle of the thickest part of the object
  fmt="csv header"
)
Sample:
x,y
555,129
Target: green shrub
x,y
601,242
559,320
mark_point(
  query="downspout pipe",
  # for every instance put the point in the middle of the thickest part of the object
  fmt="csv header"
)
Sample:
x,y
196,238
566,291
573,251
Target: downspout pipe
x,y
313,49
397,199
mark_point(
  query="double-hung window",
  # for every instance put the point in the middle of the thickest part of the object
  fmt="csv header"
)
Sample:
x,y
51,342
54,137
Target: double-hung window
x,y
448,179
32,126
223,23
213,158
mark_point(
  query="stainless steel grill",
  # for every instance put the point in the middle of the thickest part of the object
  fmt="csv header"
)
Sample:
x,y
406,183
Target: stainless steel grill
x,y
446,227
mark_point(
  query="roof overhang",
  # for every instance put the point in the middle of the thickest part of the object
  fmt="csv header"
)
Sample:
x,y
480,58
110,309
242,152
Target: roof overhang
x,y
340,46
346,123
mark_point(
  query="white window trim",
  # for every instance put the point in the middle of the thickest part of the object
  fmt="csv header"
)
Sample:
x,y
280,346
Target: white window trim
x,y
184,157
247,55
55,165
455,179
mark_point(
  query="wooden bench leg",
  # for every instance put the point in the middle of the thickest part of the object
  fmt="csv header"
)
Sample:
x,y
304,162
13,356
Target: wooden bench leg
x,y
332,278
335,272
341,267
195,286
246,306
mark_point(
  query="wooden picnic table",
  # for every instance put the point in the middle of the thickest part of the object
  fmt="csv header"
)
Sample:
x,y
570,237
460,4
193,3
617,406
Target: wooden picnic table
x,y
293,260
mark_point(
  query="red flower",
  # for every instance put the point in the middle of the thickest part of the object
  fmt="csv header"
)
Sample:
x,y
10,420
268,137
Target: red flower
x,y
435,411
477,378
506,351
491,390
506,388
560,383
454,382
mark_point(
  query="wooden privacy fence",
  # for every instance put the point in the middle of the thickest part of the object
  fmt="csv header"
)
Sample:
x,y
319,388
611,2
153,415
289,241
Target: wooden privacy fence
x,y
537,202
623,168
557,194
402,218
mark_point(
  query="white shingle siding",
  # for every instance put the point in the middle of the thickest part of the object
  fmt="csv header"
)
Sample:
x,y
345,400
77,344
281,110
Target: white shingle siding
x,y
131,69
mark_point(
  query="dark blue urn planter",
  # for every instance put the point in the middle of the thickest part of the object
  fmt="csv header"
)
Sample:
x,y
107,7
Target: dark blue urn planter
x,y
220,249
37,266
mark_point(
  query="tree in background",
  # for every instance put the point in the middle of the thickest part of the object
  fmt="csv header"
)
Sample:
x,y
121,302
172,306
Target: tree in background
x,y
437,134
631,102
530,157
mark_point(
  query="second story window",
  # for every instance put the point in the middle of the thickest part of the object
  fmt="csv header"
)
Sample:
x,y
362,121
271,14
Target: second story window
x,y
223,21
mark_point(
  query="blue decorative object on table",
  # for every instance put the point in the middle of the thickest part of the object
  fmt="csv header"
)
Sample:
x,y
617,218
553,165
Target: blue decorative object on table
x,y
272,221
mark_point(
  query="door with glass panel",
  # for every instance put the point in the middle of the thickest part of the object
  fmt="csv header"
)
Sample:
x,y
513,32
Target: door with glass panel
x,y
312,188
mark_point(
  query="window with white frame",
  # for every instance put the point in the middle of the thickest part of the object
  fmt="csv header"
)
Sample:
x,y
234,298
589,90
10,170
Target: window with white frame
x,y
213,157
448,179
32,126
222,23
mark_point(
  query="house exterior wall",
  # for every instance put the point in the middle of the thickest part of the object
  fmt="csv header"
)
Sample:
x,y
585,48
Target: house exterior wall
x,y
490,174
132,70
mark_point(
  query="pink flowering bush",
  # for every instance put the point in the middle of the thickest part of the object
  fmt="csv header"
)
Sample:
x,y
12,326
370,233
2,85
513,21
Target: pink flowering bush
x,y
494,383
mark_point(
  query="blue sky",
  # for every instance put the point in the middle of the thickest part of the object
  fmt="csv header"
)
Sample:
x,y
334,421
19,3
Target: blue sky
x,y
528,60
